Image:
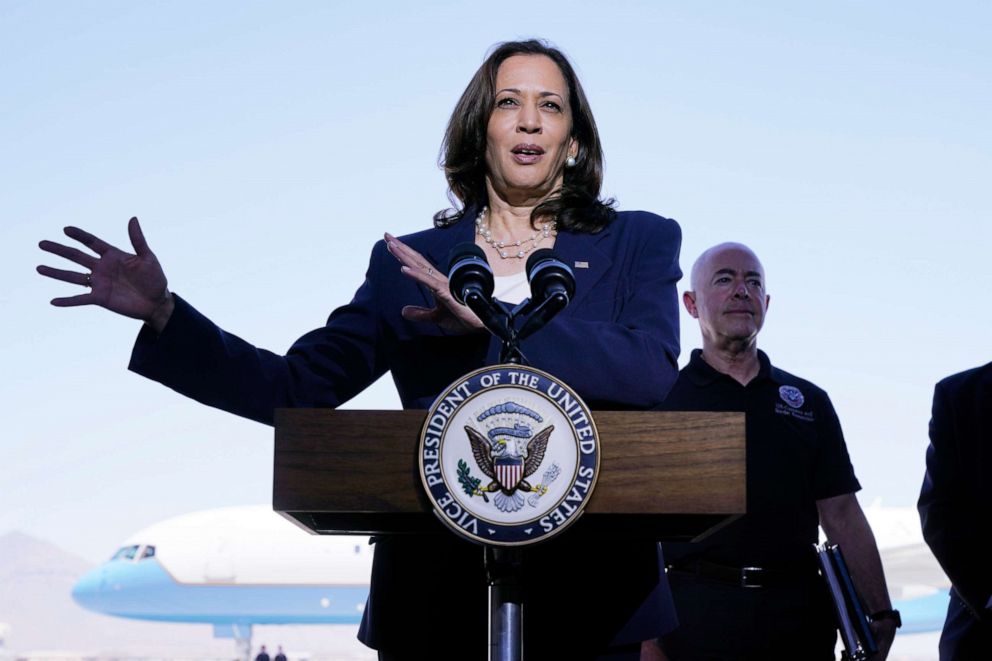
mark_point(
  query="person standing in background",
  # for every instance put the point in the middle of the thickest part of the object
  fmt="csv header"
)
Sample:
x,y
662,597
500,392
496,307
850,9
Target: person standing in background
x,y
751,590
956,508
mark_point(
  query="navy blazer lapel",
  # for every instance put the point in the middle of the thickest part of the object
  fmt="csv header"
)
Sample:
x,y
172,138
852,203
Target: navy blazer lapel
x,y
446,239
587,261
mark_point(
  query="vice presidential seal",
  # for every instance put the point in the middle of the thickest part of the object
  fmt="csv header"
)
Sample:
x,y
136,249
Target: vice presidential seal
x,y
508,455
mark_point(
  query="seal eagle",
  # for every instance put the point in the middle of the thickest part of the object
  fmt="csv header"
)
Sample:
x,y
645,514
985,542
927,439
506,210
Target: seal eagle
x,y
507,466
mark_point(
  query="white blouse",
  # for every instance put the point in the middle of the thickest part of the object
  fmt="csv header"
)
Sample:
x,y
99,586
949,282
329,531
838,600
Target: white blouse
x,y
511,289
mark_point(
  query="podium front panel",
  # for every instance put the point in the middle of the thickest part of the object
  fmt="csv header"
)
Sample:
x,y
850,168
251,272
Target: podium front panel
x,y
663,475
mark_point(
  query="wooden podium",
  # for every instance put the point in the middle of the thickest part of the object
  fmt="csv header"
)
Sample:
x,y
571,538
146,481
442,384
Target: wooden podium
x,y
663,475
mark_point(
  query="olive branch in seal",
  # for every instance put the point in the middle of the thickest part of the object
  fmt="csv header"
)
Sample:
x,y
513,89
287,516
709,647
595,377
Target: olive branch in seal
x,y
470,485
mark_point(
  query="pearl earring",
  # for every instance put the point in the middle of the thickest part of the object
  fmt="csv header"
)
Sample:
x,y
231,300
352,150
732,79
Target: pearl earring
x,y
570,162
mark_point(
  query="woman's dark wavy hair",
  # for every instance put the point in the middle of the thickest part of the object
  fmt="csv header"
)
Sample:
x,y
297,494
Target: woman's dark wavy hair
x,y
576,205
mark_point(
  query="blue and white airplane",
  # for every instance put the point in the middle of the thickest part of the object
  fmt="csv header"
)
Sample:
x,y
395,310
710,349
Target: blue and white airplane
x,y
918,586
239,566
232,567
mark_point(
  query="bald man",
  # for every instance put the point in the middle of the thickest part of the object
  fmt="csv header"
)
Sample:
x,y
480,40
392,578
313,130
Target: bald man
x,y
751,590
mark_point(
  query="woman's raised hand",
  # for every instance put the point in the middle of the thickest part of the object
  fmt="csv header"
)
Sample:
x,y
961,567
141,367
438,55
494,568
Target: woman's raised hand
x,y
133,285
447,312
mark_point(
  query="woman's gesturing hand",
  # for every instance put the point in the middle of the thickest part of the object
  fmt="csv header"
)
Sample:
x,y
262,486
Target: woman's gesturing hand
x,y
447,313
133,285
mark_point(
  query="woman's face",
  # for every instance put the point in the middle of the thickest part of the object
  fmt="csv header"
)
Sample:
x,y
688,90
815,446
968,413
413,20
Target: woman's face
x,y
529,132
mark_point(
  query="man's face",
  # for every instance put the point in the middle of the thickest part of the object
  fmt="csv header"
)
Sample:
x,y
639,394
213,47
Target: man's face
x,y
729,298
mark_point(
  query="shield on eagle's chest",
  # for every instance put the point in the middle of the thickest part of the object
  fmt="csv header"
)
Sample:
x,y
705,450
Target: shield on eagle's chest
x,y
509,471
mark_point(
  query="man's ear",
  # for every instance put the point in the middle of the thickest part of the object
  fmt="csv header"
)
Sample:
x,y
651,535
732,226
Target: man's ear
x,y
689,299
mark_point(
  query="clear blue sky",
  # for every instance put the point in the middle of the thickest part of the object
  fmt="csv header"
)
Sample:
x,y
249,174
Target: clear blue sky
x,y
266,146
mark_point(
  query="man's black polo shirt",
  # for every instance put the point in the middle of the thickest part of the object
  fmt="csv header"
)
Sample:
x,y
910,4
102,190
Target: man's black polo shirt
x,y
796,455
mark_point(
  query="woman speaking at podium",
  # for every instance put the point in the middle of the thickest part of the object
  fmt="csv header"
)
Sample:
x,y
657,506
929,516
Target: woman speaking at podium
x,y
522,158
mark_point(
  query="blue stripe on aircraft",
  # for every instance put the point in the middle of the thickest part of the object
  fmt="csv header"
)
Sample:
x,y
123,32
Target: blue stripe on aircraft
x,y
923,613
144,590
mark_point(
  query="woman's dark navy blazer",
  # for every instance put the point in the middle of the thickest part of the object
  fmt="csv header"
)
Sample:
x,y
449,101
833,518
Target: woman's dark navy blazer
x,y
616,344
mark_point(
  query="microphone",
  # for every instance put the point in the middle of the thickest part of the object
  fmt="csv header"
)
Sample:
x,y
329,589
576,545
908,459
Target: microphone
x,y
549,276
470,279
552,286
469,274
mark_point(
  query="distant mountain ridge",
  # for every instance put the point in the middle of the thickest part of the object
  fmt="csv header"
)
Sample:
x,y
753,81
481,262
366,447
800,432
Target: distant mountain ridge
x,y
22,556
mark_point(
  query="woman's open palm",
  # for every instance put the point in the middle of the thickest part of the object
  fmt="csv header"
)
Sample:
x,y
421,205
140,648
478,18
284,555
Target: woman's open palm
x,y
133,285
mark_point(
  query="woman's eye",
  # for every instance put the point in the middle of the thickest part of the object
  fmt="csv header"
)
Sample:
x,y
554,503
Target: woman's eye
x,y
506,102
551,105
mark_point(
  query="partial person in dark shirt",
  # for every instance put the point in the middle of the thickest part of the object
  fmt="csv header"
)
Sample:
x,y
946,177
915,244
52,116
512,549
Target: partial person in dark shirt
x,y
956,507
751,590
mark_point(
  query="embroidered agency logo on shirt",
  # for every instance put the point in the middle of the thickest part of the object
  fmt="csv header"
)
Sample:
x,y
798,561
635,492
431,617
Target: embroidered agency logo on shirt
x,y
794,399
792,396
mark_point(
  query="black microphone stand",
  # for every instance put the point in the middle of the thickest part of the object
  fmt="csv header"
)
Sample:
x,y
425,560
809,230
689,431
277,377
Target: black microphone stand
x,y
473,286
504,565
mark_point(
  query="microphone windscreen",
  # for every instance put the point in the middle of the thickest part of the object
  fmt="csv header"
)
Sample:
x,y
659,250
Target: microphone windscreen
x,y
538,256
548,274
463,250
468,271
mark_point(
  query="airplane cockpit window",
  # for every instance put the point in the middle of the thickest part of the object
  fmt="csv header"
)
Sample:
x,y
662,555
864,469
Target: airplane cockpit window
x,y
148,552
125,553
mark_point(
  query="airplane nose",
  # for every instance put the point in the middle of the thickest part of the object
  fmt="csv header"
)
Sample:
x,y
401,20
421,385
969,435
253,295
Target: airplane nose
x,y
86,591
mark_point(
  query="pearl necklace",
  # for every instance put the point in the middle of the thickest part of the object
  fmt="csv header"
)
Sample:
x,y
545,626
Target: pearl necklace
x,y
505,249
